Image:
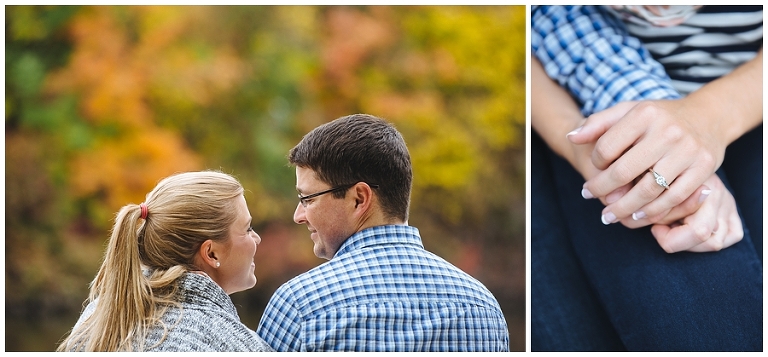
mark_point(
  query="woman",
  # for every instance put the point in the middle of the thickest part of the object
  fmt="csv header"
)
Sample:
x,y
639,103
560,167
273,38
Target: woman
x,y
170,265
595,284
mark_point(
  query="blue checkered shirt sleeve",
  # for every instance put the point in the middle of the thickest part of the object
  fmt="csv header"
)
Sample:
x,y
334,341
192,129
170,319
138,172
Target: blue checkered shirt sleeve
x,y
590,53
286,323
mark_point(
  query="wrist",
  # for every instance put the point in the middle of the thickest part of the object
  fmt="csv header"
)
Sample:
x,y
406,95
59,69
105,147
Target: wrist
x,y
573,153
580,155
706,114
554,132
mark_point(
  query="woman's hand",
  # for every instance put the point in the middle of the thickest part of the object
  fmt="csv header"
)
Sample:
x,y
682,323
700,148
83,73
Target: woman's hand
x,y
705,221
683,140
632,138
580,159
714,226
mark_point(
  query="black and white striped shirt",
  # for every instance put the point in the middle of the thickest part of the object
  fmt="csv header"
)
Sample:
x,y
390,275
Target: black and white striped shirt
x,y
709,44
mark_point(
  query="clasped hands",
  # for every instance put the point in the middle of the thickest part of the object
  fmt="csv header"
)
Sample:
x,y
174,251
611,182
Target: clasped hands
x,y
614,150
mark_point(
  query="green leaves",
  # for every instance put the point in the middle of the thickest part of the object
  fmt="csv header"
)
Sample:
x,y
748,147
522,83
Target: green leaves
x,y
104,101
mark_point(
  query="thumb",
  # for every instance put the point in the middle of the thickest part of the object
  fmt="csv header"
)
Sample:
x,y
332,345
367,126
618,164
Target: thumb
x,y
598,123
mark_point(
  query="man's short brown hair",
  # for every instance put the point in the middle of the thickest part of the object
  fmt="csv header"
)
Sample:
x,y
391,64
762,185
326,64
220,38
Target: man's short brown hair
x,y
360,148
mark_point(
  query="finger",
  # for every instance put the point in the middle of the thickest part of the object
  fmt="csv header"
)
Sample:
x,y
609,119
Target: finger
x,y
611,197
660,232
620,137
685,209
682,189
632,223
735,229
647,120
715,242
648,198
598,123
695,230
729,230
617,194
677,239
632,164
635,162
643,192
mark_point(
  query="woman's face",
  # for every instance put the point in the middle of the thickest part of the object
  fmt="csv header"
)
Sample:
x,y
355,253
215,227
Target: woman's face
x,y
236,272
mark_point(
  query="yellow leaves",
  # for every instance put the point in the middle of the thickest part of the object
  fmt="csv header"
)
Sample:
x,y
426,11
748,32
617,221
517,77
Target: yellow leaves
x,y
159,26
298,21
442,151
27,24
445,159
189,81
453,82
445,65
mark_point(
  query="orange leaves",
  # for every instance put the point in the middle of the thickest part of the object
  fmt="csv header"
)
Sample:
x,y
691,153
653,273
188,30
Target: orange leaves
x,y
123,59
352,36
101,71
122,170
112,72
397,106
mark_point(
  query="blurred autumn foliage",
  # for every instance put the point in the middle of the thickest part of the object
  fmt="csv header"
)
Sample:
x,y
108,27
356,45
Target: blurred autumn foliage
x,y
104,101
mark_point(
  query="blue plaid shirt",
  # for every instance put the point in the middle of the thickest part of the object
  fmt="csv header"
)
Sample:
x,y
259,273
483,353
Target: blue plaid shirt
x,y
589,52
383,291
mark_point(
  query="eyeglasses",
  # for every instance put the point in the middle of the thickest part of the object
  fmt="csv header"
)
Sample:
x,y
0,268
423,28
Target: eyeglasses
x,y
303,199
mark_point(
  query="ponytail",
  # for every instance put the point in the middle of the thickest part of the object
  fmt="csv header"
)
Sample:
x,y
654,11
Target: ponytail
x,y
120,292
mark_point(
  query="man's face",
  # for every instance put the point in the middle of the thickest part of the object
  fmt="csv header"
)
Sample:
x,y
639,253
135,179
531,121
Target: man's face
x,y
328,219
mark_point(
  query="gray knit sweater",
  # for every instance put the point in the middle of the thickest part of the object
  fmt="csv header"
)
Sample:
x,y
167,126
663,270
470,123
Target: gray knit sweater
x,y
209,321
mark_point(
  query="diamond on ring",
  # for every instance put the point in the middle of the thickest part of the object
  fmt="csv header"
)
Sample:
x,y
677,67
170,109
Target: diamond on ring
x,y
660,179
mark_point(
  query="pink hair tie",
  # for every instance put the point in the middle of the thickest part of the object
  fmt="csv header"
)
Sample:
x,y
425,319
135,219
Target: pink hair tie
x,y
144,210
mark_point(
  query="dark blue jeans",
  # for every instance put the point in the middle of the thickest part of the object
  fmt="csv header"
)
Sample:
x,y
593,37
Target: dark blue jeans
x,y
610,288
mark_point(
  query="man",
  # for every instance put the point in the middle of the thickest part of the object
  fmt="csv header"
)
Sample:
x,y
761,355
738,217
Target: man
x,y
380,290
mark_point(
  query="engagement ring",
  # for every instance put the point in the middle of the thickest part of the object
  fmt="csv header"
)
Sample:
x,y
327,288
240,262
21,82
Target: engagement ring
x,y
660,179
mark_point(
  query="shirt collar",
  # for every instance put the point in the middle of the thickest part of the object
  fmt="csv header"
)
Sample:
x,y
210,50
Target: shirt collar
x,y
389,234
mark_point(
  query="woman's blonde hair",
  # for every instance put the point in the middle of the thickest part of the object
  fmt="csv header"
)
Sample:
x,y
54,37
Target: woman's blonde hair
x,y
182,212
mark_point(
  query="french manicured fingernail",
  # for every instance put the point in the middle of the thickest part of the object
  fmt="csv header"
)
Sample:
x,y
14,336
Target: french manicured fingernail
x,y
586,194
638,215
574,131
704,195
608,218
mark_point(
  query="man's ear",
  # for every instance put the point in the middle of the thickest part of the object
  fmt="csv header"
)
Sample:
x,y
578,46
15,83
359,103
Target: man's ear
x,y
363,195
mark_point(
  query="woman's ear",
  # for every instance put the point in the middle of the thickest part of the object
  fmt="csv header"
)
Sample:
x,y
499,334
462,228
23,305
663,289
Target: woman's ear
x,y
207,256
